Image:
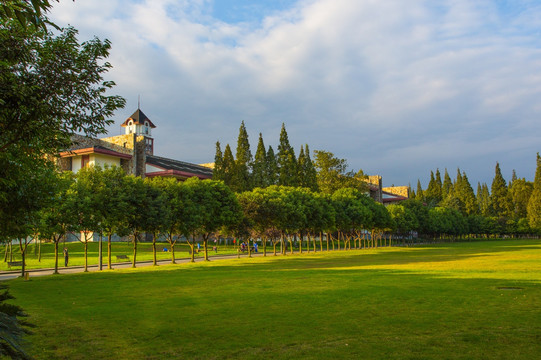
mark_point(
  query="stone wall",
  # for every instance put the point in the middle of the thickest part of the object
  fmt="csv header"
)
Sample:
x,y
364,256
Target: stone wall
x,y
398,190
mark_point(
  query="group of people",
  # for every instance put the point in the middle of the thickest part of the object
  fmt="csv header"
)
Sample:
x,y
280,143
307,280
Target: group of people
x,y
244,246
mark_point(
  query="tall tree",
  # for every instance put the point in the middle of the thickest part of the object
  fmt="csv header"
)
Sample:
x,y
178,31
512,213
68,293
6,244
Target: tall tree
x,y
218,170
272,167
447,185
500,205
287,162
259,171
228,166
332,174
50,87
433,191
241,176
534,204
520,192
307,171
483,199
419,194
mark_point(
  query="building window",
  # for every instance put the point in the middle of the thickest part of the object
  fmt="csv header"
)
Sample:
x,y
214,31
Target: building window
x,y
85,159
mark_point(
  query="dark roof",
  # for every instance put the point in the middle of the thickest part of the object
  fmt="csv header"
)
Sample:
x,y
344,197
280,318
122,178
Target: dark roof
x,y
138,118
180,168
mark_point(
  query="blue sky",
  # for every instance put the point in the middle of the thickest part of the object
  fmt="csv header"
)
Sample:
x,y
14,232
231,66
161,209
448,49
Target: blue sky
x,y
398,88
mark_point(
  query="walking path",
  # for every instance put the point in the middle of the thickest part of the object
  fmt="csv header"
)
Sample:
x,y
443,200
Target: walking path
x,y
7,275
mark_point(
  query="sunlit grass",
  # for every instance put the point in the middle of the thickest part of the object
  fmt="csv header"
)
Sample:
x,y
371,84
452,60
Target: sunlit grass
x,y
477,300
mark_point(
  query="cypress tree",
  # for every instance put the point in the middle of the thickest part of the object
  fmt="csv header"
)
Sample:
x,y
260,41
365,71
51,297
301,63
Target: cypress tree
x,y
520,192
300,167
310,171
228,166
447,186
499,195
433,192
241,178
439,185
272,167
534,204
483,199
287,162
467,196
218,170
419,193
259,171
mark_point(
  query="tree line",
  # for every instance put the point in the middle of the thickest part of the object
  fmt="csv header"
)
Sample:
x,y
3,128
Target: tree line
x,y
507,208
107,201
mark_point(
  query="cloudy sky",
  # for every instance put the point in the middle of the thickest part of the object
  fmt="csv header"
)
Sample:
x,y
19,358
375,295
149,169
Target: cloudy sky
x,y
398,88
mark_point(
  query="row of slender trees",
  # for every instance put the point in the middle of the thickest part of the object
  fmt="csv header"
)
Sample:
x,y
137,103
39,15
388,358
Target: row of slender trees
x,y
107,202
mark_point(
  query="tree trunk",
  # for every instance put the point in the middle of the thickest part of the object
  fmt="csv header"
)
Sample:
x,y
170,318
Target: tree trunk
x,y
300,242
56,255
23,256
154,260
134,261
39,251
205,239
265,246
86,254
249,248
109,240
274,246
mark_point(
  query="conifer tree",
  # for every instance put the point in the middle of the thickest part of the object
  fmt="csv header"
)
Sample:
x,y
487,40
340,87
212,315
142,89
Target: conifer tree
x,y
228,166
259,171
439,185
310,171
272,167
466,195
287,162
433,191
300,167
483,199
419,193
520,192
534,204
218,170
241,178
499,195
447,186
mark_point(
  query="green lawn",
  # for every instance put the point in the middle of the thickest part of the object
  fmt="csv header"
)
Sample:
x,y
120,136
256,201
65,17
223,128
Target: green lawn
x,y
479,300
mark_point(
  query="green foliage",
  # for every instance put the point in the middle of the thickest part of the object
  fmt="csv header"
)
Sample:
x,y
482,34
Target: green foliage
x,y
500,202
534,203
332,174
286,161
259,168
272,167
218,170
12,327
307,171
447,186
520,192
404,218
241,180
26,12
228,166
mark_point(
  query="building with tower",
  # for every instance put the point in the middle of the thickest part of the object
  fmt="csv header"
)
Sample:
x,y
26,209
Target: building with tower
x,y
133,151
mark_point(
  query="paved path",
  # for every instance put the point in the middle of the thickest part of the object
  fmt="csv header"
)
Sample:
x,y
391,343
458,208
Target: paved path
x,y
7,275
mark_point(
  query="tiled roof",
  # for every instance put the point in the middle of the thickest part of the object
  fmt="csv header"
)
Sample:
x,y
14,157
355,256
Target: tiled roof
x,y
178,168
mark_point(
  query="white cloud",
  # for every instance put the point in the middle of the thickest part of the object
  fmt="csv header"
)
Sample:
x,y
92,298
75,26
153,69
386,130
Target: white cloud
x,y
381,83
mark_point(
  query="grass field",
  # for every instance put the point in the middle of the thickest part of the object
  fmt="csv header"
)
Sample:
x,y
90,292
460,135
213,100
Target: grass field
x,y
479,300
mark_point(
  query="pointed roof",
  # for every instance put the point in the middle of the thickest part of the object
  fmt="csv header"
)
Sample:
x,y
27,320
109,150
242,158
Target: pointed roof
x,y
138,118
